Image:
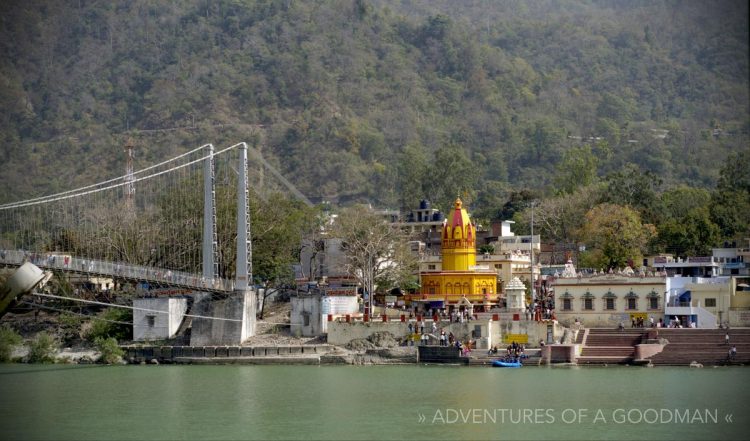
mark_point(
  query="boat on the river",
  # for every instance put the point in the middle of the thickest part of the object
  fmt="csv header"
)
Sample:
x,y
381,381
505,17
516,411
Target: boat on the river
x,y
507,362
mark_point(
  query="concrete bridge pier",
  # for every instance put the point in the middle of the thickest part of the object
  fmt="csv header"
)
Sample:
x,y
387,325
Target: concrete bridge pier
x,y
232,322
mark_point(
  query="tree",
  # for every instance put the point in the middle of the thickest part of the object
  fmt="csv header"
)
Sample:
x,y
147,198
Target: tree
x,y
681,200
559,219
517,201
452,174
692,234
730,203
576,169
614,235
278,225
413,167
637,189
374,250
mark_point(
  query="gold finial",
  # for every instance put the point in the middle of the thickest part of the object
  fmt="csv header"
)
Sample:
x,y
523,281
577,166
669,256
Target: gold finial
x,y
458,203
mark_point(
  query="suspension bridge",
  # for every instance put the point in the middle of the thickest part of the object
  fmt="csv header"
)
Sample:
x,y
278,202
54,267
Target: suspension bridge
x,y
184,222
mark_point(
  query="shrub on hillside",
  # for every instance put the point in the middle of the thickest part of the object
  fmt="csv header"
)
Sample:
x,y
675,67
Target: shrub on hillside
x,y
42,349
106,327
110,351
8,339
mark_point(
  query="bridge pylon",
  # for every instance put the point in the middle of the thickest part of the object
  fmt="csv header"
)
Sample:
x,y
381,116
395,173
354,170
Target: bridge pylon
x,y
239,306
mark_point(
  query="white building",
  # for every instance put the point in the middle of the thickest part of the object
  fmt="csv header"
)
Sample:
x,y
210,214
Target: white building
x,y
158,318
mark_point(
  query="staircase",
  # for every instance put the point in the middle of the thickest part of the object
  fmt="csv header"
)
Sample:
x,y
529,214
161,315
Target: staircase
x,y
580,336
611,346
705,346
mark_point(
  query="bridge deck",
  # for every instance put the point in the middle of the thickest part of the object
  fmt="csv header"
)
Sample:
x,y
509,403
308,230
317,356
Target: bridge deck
x,y
115,270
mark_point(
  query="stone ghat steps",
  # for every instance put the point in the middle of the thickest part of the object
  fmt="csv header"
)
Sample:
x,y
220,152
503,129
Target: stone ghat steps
x,y
705,346
716,336
617,331
614,340
687,358
611,346
604,360
611,351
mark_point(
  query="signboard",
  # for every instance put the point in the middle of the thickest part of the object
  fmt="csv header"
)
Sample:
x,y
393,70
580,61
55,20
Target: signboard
x,y
518,338
637,315
339,305
390,299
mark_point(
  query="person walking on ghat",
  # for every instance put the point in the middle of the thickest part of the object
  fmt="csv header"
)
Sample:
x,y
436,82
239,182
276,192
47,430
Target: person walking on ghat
x,y
726,338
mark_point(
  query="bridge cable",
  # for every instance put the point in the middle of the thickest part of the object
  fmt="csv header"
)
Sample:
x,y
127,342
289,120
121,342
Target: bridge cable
x,y
113,305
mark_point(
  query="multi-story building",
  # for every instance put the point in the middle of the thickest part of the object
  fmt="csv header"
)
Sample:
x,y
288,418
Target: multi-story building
x,y
699,266
608,299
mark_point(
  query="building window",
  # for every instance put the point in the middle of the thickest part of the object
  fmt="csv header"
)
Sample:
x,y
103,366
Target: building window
x,y
498,266
306,319
653,303
588,304
151,320
567,305
609,304
432,290
430,267
710,303
632,304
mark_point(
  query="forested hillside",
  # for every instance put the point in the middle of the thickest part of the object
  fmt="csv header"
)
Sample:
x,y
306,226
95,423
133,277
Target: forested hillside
x,y
380,101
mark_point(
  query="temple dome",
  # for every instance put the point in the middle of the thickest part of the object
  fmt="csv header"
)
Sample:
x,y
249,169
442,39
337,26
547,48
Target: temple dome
x,y
458,231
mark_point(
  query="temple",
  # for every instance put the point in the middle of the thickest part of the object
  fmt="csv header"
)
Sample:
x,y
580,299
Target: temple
x,y
459,280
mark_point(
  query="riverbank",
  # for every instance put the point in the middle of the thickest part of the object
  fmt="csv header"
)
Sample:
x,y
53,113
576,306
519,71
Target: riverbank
x,y
281,354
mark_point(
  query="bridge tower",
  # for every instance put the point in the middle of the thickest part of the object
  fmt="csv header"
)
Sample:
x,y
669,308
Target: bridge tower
x,y
238,309
210,237
244,266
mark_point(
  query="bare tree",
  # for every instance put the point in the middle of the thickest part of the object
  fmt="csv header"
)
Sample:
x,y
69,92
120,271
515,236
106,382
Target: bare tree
x,y
374,250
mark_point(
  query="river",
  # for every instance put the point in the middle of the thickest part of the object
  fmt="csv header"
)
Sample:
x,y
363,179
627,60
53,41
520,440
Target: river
x,y
372,402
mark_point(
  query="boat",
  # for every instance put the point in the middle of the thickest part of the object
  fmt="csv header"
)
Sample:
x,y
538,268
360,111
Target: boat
x,y
511,363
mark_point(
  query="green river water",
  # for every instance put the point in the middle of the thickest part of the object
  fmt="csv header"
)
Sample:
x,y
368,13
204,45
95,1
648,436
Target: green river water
x,y
372,402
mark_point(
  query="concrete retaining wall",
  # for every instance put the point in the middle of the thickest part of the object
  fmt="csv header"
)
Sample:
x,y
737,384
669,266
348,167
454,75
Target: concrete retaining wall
x,y
486,333
560,353
172,354
441,354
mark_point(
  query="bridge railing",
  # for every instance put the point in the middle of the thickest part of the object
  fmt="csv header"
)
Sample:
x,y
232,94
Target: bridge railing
x,y
67,262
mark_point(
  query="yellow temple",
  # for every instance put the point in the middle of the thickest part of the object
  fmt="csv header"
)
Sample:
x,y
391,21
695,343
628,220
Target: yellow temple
x,y
459,276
